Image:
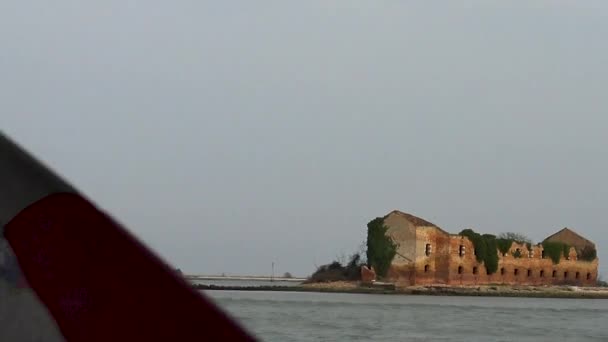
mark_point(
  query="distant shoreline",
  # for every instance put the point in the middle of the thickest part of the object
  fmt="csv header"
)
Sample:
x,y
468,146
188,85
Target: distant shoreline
x,y
251,278
472,291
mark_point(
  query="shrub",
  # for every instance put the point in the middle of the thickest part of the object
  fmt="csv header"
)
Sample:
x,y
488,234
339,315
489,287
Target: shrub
x,y
335,271
588,253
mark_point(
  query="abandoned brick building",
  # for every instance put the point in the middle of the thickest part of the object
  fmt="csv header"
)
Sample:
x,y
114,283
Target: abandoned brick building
x,y
426,254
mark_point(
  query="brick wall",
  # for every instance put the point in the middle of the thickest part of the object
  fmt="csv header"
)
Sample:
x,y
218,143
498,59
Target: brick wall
x,y
445,264
529,269
432,267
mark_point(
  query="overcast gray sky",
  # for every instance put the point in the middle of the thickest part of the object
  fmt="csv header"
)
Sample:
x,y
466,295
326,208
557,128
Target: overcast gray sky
x,y
231,134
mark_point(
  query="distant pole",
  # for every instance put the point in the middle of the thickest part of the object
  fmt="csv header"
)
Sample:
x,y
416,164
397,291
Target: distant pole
x,y
272,274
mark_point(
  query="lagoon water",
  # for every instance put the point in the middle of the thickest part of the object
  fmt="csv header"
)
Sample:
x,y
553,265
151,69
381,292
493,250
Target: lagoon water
x,y
300,316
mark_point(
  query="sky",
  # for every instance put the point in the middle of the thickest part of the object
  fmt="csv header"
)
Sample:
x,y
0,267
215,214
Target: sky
x,y
230,135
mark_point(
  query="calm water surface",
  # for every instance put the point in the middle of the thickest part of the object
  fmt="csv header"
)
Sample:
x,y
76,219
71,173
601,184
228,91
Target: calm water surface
x,y
298,316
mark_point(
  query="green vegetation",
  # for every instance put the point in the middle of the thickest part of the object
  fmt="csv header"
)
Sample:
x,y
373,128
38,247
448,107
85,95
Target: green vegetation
x,y
504,245
486,249
491,258
336,271
381,249
517,254
566,250
555,250
517,237
505,240
587,254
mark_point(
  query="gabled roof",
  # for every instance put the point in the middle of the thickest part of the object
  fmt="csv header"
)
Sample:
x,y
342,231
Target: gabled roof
x,y
415,220
569,236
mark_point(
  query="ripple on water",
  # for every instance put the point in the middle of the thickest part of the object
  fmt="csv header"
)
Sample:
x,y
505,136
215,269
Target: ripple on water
x,y
293,316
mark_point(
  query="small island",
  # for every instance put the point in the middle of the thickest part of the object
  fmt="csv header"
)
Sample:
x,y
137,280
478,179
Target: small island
x,y
405,254
408,254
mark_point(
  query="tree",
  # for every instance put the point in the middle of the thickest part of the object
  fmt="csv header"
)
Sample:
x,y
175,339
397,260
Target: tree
x,y
381,249
517,237
362,252
287,275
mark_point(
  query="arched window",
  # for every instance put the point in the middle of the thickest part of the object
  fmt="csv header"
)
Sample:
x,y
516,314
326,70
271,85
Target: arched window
x,y
588,276
461,250
516,271
578,275
566,275
554,274
475,270
502,271
542,273
428,249
426,268
459,269
529,273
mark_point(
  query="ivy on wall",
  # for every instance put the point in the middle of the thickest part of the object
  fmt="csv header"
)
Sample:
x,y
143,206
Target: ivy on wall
x,y
506,240
381,249
504,245
486,249
555,250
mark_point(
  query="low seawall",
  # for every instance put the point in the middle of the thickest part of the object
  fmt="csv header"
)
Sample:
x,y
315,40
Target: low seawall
x,y
474,291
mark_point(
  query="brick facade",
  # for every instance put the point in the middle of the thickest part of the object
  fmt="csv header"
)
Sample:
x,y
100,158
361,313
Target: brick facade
x,y
429,255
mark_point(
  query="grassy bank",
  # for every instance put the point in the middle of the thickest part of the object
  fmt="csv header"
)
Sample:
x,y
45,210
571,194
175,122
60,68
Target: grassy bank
x,y
475,291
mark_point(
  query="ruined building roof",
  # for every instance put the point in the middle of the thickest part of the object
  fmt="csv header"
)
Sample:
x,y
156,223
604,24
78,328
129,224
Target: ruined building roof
x,y
571,238
415,220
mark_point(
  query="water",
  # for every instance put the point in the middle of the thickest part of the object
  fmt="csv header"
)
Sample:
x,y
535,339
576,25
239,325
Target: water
x,y
300,316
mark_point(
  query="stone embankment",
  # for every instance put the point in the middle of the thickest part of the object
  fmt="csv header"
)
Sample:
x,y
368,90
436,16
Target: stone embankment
x,y
433,290
511,291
